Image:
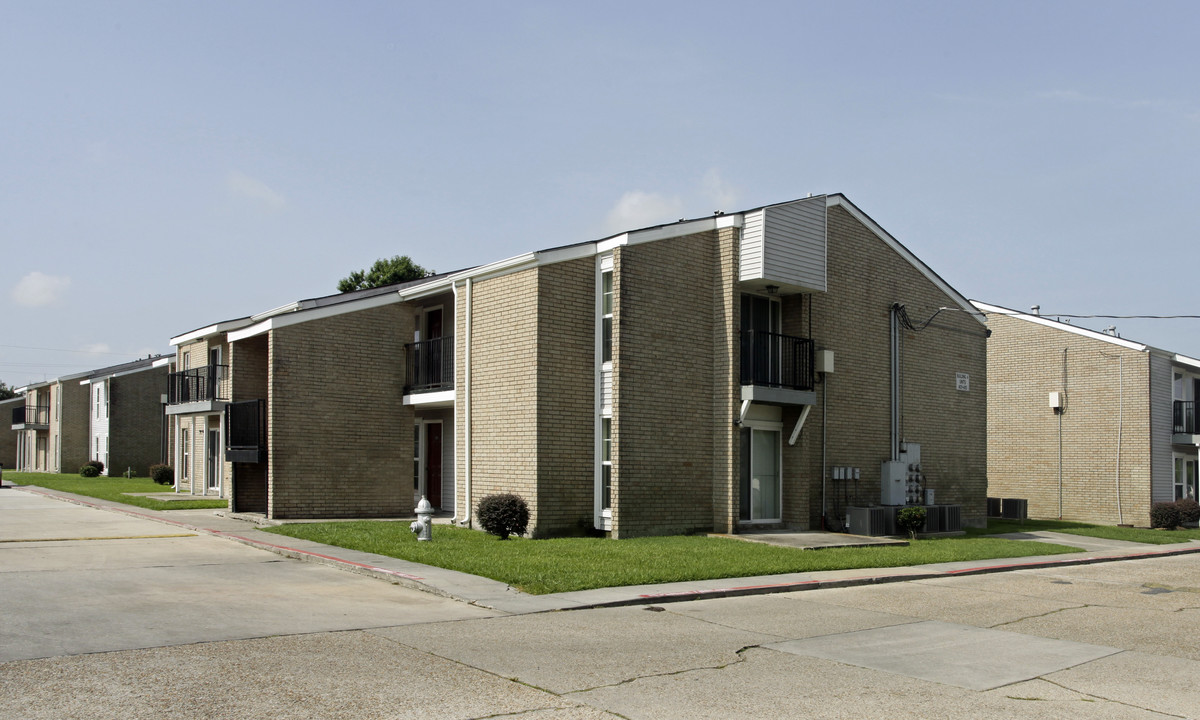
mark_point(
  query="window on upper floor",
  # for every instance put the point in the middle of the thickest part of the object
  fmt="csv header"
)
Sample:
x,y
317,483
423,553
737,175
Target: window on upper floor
x,y
606,315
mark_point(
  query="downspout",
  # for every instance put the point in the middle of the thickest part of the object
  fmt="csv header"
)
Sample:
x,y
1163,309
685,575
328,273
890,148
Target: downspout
x,y
454,415
895,384
1120,430
467,412
824,442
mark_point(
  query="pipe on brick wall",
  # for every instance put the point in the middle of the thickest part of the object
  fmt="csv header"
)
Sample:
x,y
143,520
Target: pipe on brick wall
x,y
467,410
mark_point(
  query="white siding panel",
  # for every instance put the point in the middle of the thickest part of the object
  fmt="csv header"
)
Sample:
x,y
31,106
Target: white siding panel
x,y
1162,425
794,247
750,265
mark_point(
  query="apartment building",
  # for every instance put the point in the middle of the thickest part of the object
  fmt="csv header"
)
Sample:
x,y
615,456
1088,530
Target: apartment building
x,y
126,419
1087,425
52,426
708,374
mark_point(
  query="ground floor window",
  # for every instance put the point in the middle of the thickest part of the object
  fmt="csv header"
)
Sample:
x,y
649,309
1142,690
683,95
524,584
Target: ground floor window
x,y
1185,478
185,448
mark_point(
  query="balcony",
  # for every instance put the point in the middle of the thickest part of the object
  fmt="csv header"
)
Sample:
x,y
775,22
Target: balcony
x,y
246,431
31,417
206,385
777,369
1185,432
430,366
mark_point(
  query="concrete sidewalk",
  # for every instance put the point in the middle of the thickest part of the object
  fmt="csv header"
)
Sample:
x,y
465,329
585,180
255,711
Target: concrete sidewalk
x,y
496,595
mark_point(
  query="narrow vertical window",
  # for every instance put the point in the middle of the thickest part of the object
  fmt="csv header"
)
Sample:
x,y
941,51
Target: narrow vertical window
x,y
606,463
606,313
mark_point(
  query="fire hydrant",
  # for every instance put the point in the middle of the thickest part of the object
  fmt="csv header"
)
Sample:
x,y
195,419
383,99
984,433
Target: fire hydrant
x,y
423,527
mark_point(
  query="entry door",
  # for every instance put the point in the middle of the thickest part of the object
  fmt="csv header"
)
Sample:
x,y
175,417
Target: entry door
x,y
210,459
760,478
433,463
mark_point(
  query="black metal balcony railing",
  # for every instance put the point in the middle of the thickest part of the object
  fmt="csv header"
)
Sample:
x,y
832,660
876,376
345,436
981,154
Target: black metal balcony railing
x,y
430,365
775,360
1185,417
197,384
31,415
246,431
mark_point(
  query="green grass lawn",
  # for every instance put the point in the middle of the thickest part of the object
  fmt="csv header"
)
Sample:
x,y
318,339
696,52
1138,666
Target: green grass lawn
x,y
111,488
1111,532
566,564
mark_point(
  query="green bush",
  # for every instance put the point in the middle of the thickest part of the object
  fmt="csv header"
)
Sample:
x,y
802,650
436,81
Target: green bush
x,y
503,515
89,470
1164,515
1189,510
96,464
162,474
911,519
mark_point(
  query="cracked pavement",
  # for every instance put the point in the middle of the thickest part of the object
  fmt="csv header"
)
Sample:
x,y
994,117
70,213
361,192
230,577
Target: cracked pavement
x,y
196,627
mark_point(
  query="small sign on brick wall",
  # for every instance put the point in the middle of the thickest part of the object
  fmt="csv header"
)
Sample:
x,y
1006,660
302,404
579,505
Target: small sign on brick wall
x,y
962,381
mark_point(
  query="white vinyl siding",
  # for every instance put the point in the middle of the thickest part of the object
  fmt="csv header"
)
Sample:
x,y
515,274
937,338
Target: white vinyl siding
x,y
786,245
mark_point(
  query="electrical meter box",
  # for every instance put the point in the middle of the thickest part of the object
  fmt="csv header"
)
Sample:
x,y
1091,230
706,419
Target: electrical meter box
x,y
893,482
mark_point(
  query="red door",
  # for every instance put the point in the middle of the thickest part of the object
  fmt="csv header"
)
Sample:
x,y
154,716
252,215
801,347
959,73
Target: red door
x,y
433,464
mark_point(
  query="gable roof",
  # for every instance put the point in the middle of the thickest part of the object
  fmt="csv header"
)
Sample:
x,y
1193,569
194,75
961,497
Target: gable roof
x,y
330,305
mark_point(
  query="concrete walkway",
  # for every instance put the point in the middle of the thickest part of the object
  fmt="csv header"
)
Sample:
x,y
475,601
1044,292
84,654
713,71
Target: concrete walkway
x,y
499,596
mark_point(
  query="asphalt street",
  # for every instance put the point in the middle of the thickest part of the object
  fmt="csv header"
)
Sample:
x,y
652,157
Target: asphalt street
x,y
111,616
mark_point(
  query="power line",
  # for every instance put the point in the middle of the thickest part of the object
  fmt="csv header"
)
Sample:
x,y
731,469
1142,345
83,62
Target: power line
x,y
85,352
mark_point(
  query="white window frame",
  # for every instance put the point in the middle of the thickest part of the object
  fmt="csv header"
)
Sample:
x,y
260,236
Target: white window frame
x,y
766,426
602,516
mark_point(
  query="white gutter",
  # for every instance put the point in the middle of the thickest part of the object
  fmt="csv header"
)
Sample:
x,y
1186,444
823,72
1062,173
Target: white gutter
x,y
454,520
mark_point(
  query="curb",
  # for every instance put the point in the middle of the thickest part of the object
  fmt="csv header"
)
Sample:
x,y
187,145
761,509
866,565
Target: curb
x,y
416,582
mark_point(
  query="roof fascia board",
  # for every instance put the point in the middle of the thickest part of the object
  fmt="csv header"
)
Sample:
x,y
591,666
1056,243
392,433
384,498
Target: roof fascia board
x,y
210,330
443,285
295,318
290,307
1056,325
844,203
664,232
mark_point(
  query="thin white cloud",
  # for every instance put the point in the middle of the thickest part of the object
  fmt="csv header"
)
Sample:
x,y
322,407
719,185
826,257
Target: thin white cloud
x,y
637,209
255,190
720,194
39,289
98,348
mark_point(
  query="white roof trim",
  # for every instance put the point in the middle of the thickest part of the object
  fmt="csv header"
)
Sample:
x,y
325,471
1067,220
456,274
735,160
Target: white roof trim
x,y
842,202
210,330
290,307
664,232
1047,322
295,318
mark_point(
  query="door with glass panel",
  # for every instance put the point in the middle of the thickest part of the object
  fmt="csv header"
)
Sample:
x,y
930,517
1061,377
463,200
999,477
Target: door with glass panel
x,y
761,498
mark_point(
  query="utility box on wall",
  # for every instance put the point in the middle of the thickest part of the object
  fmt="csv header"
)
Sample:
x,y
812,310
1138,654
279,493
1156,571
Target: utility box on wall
x,y
893,482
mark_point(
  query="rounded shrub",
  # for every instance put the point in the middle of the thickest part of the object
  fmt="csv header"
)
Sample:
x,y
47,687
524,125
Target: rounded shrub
x,y
162,474
89,470
96,464
1164,515
911,519
1189,510
503,515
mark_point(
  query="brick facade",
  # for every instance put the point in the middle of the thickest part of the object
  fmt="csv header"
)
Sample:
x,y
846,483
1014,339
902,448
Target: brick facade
x,y
1028,361
340,440
136,421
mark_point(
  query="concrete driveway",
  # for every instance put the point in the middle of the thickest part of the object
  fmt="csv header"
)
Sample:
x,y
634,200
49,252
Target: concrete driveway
x,y
76,579
1110,640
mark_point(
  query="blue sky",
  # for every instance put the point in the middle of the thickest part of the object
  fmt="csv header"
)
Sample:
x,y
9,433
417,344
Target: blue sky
x,y
253,153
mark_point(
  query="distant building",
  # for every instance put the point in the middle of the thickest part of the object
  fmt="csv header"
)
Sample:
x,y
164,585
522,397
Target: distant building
x,y
1075,414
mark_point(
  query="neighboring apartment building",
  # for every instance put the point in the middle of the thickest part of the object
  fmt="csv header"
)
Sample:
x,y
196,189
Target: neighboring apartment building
x,y
126,419
1075,415
702,375
8,440
52,427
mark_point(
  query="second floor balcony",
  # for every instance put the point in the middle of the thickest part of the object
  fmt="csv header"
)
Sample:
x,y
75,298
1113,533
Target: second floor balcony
x,y
31,417
1185,417
430,366
203,384
774,360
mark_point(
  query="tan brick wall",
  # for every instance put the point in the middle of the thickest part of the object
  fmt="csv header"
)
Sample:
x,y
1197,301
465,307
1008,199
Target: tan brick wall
x,y
1025,364
8,437
663,381
726,384
340,439
70,422
852,319
135,423
504,380
566,380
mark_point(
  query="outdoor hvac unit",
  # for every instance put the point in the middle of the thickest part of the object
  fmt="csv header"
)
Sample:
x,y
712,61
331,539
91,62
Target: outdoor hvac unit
x,y
872,521
1014,509
993,507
